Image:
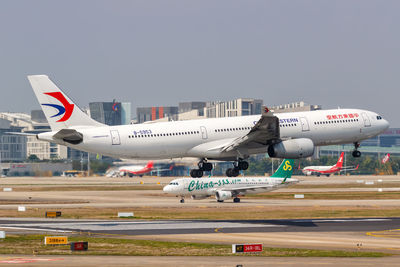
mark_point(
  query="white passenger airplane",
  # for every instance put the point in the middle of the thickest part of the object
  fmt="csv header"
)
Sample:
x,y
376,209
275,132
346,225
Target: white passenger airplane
x,y
286,135
131,170
226,188
328,170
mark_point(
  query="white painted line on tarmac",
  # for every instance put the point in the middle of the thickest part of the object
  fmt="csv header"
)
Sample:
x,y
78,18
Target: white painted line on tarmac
x,y
346,220
35,229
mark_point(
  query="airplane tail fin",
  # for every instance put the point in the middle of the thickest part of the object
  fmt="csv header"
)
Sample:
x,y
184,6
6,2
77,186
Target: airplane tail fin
x,y
150,164
60,111
339,163
285,170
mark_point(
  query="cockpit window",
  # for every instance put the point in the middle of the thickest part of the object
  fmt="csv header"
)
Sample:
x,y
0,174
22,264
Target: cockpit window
x,y
173,183
378,117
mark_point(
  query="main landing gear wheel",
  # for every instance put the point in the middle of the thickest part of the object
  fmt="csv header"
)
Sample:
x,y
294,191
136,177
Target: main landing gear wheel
x,y
203,167
236,200
243,165
238,166
196,173
356,153
182,200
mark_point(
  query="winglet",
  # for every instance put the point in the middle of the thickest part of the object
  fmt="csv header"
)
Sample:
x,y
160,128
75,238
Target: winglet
x,y
267,112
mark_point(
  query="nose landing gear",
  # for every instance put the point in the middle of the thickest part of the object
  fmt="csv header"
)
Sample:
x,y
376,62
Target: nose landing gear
x,y
356,153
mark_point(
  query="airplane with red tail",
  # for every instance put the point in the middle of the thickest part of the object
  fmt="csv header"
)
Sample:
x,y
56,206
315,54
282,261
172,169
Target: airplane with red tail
x,y
328,170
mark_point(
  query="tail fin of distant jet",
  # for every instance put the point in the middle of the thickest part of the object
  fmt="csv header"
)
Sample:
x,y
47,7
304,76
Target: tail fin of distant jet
x,y
285,170
150,164
60,111
339,163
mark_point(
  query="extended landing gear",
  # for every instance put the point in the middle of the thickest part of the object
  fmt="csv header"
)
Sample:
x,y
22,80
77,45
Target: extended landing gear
x,y
182,200
204,166
238,166
195,173
356,153
236,200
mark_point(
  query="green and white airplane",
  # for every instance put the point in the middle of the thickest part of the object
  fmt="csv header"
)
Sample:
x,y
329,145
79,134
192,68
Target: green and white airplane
x,y
232,187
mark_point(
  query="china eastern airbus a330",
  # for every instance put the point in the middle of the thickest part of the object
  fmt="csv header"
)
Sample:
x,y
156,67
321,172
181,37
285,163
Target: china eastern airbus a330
x,y
286,135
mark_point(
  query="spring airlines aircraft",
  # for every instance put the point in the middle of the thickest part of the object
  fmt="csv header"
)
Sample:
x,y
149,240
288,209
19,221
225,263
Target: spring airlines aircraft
x,y
287,135
226,188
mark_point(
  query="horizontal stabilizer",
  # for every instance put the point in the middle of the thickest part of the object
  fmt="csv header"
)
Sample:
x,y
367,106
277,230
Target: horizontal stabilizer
x,y
21,134
69,135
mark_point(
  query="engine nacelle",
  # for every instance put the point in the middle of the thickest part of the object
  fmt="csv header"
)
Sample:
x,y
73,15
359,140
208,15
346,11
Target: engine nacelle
x,y
223,195
292,149
194,197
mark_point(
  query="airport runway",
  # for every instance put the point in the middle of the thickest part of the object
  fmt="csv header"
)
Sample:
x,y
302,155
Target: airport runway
x,y
170,227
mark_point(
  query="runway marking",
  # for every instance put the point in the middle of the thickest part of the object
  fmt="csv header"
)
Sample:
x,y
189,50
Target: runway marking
x,y
35,229
71,227
27,260
344,220
392,233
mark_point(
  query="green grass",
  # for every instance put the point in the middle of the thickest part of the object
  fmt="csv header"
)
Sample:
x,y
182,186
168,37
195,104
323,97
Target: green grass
x,y
41,188
329,195
34,244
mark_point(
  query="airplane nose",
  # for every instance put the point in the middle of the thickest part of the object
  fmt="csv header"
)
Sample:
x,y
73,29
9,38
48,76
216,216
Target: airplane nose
x,y
167,188
385,124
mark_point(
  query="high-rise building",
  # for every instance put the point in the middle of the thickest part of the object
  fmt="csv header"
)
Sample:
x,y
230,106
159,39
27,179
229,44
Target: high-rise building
x,y
294,107
12,147
154,113
194,105
237,107
111,113
35,123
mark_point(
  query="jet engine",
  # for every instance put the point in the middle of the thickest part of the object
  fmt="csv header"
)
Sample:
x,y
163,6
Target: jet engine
x,y
292,149
223,195
194,197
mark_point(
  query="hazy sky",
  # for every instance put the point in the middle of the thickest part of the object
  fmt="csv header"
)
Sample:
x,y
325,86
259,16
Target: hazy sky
x,y
151,53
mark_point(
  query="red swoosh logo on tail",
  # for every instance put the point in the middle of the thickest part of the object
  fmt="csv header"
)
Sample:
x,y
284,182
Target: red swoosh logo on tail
x,y
69,108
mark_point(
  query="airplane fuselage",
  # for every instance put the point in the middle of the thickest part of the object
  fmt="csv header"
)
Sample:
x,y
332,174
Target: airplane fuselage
x,y
203,138
208,186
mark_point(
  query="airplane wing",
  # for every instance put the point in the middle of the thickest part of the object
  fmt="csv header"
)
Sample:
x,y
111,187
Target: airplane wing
x,y
352,168
265,132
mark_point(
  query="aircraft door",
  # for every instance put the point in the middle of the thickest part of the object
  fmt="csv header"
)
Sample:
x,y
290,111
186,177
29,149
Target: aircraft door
x,y
304,124
115,139
367,122
203,132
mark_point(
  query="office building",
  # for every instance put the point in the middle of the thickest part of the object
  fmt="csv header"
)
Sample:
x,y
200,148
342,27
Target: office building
x,y
111,113
155,113
237,107
294,107
12,147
